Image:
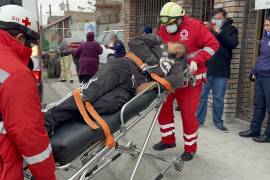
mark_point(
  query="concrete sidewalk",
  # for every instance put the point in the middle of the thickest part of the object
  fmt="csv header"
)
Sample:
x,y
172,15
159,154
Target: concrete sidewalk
x,y
220,156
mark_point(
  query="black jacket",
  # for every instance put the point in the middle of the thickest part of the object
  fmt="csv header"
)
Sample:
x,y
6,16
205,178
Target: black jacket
x,y
219,64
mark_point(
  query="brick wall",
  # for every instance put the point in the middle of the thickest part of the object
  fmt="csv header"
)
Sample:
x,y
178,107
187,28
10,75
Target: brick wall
x,y
129,20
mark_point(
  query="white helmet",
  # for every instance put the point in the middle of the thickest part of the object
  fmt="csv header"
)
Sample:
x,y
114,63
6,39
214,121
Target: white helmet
x,y
13,17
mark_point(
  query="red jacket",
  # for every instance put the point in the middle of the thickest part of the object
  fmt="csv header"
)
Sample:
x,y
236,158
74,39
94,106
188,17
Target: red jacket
x,y
199,41
22,133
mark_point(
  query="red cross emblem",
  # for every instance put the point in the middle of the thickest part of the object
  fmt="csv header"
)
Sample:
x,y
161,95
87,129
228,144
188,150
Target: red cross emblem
x,y
26,22
184,33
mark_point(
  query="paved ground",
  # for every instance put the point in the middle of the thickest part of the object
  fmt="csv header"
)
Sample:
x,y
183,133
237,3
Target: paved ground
x,y
220,156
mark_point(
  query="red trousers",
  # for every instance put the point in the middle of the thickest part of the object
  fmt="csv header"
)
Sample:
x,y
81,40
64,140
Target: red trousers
x,y
187,99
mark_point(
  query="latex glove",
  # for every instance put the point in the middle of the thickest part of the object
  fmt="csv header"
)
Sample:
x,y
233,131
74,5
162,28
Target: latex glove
x,y
193,67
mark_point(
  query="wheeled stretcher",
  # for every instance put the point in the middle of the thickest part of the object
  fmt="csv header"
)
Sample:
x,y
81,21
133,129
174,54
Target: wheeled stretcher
x,y
75,139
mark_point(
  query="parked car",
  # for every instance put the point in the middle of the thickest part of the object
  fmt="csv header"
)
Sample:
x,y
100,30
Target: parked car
x,y
105,38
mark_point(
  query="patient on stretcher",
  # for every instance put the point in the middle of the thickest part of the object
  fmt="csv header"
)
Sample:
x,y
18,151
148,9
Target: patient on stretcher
x,y
116,82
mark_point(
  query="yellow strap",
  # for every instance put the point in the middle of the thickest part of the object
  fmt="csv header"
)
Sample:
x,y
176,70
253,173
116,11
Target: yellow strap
x,y
109,141
77,96
166,84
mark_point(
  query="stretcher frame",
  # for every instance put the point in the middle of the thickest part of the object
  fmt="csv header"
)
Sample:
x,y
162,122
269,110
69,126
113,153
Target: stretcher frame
x,y
98,156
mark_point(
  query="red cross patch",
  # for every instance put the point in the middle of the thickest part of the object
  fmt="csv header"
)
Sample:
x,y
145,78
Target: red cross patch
x,y
26,22
184,34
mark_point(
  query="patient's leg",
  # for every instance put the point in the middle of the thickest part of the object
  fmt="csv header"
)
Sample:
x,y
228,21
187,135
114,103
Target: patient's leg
x,y
110,76
113,101
112,89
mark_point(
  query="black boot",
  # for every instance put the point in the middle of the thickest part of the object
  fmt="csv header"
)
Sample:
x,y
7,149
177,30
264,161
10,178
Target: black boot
x,y
262,139
248,133
187,156
160,146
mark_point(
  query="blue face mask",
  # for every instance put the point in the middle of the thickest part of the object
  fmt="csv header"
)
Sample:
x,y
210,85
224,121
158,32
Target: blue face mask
x,y
268,34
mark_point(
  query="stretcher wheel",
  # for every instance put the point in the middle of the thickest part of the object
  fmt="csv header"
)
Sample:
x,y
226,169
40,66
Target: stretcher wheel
x,y
178,165
132,149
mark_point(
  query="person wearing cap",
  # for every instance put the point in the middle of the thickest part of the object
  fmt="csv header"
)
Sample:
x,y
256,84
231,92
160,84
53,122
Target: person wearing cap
x,y
23,137
147,30
201,45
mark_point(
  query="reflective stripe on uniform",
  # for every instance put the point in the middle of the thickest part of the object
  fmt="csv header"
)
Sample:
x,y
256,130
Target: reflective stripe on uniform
x,y
201,76
191,142
166,126
191,135
209,50
2,129
39,157
167,133
192,55
3,75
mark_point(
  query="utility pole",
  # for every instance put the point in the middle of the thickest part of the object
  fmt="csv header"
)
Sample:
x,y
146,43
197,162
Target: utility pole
x,y
40,13
67,6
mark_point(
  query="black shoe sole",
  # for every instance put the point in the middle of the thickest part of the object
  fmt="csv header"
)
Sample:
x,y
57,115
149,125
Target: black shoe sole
x,y
260,141
185,158
162,149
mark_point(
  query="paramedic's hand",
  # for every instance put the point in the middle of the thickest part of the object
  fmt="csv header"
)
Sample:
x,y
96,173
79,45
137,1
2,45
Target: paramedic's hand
x,y
193,67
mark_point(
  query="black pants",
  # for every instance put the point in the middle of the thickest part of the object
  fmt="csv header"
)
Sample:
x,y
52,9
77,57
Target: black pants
x,y
261,104
84,78
110,89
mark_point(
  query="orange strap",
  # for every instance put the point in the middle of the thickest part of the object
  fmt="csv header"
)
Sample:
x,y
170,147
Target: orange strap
x,y
166,84
80,105
109,137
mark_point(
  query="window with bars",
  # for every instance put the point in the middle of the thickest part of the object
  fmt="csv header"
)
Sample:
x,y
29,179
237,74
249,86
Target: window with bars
x,y
148,13
202,9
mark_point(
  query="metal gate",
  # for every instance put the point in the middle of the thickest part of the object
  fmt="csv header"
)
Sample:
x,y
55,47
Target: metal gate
x,y
148,13
248,53
202,9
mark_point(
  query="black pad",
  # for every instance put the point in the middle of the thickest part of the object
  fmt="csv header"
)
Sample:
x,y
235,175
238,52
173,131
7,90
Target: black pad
x,y
74,137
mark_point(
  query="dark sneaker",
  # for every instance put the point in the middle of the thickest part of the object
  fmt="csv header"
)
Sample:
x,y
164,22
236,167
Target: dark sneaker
x,y
223,129
62,80
187,156
248,133
71,81
262,139
160,146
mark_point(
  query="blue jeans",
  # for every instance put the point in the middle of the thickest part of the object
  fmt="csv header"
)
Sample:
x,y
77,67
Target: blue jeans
x,y
261,104
218,85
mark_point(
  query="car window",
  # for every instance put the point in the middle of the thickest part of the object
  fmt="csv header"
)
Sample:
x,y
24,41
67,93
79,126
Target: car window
x,y
120,35
100,38
108,38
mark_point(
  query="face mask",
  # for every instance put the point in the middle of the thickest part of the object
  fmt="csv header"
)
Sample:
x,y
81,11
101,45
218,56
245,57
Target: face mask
x,y
171,28
218,22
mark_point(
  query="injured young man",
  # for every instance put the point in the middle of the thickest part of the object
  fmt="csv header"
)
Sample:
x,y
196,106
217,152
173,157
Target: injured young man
x,y
116,82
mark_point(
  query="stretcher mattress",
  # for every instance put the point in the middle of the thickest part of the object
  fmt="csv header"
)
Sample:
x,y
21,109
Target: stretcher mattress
x,y
73,138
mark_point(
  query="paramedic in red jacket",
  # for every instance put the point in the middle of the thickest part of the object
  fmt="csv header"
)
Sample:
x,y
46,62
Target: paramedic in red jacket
x,y
200,45
22,133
